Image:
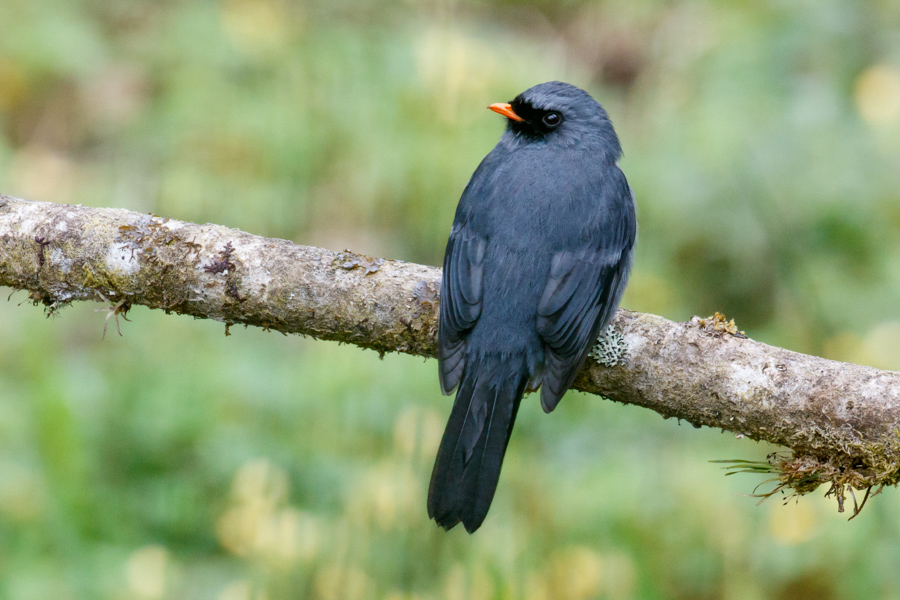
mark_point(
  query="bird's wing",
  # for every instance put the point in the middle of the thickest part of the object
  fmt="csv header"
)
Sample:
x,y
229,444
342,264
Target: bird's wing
x,y
582,291
460,305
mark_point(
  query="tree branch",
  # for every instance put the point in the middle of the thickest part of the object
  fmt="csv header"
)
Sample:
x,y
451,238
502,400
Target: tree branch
x,y
842,421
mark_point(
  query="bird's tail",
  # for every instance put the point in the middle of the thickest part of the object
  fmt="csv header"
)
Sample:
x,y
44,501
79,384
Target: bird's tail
x,y
468,463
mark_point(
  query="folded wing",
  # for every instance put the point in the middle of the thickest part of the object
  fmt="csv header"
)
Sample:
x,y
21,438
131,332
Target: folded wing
x,y
580,298
461,298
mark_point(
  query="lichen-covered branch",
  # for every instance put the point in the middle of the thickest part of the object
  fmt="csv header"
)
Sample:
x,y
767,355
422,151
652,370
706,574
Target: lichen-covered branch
x,y
841,420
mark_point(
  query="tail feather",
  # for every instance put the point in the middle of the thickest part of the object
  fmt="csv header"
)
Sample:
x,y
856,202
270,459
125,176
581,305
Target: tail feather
x,y
471,453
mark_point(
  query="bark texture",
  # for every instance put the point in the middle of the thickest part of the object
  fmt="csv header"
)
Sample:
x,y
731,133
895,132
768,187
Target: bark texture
x,y
842,421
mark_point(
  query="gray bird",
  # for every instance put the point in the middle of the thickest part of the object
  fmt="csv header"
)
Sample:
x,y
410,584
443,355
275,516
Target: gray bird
x,y
537,261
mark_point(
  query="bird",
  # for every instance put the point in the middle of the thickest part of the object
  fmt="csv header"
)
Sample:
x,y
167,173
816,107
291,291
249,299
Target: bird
x,y
538,258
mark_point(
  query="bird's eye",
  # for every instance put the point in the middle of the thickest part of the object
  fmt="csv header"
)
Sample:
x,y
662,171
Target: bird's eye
x,y
552,119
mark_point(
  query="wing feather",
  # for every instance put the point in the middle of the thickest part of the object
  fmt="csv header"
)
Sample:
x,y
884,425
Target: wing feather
x,y
583,289
461,299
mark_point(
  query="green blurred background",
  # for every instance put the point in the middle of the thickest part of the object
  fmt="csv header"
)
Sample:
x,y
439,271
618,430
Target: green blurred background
x,y
762,141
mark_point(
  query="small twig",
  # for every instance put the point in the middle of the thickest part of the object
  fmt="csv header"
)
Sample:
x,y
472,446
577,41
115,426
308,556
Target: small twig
x,y
41,242
858,509
114,310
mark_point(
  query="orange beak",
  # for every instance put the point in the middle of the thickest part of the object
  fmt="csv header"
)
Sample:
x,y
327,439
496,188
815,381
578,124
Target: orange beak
x,y
505,110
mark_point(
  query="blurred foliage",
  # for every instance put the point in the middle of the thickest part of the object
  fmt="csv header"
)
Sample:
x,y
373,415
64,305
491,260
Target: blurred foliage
x,y
762,141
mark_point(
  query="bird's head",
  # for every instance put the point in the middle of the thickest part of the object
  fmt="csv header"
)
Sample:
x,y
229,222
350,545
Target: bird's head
x,y
559,114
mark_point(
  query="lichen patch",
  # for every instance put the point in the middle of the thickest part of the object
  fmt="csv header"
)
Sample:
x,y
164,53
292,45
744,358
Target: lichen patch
x,y
122,258
611,348
747,380
59,260
718,324
635,341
